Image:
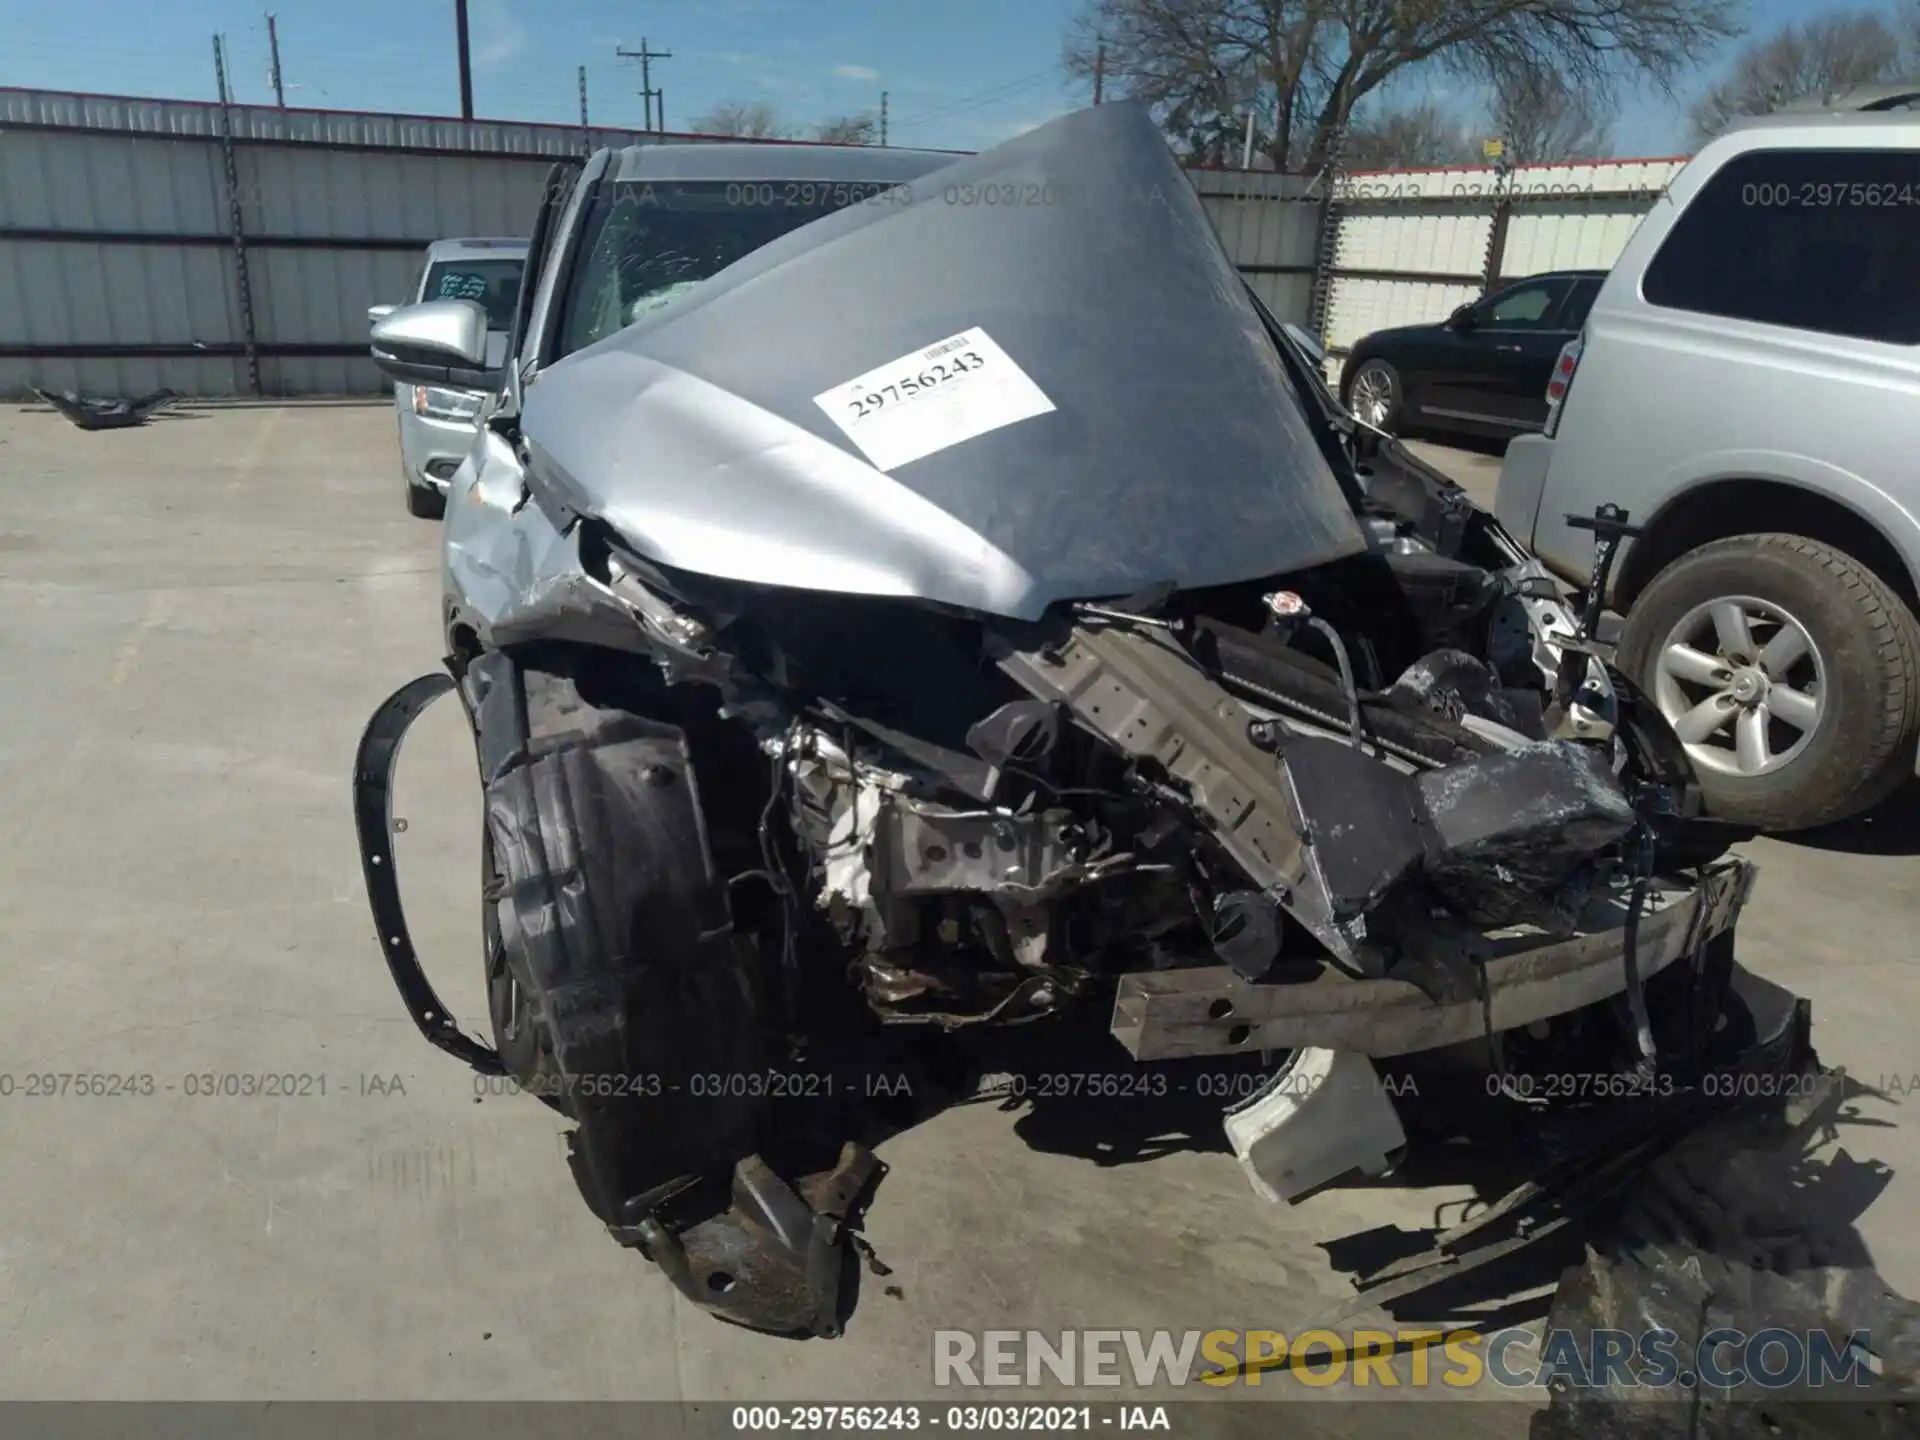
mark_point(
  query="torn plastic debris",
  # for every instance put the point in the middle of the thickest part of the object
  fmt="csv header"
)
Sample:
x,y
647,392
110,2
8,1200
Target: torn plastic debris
x,y
114,414
1324,1115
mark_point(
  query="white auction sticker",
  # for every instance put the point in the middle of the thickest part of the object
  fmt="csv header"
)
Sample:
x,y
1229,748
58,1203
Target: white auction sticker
x,y
951,391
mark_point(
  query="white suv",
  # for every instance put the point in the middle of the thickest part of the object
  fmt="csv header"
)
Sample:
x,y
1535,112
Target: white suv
x,y
1748,387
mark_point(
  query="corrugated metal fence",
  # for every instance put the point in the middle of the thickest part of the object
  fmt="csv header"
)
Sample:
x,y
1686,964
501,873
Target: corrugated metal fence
x,y
129,260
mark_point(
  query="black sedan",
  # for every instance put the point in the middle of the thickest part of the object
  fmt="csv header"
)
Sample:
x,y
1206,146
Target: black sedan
x,y
1483,370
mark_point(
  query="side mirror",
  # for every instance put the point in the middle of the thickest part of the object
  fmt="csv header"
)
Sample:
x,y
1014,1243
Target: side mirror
x,y
438,342
377,313
1309,345
1463,318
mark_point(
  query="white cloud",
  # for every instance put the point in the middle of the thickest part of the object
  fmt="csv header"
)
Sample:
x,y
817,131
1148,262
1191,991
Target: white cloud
x,y
498,39
856,72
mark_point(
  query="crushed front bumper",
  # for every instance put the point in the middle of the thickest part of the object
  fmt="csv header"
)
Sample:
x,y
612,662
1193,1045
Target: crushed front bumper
x,y
1211,1010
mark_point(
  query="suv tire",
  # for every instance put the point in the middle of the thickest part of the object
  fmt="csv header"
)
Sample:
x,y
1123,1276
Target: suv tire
x,y
1860,681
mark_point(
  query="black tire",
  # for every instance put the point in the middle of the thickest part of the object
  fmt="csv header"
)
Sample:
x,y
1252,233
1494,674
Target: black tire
x,y
524,1049
1396,392
1862,746
425,504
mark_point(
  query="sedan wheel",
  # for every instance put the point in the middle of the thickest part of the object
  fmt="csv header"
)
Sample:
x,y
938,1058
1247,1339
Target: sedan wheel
x,y
1741,683
1374,395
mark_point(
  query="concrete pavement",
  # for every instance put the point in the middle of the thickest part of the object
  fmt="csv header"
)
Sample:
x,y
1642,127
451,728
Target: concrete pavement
x,y
195,620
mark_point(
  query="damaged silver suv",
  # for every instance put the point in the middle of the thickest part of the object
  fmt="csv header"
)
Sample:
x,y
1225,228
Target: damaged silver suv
x,y
875,636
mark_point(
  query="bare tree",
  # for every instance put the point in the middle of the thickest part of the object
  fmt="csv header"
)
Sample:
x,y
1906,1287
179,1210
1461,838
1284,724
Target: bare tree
x,y
1826,54
848,130
1543,120
748,119
1302,66
1414,135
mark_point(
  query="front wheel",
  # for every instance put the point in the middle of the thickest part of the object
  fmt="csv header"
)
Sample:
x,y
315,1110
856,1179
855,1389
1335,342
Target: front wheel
x,y
1789,672
1374,394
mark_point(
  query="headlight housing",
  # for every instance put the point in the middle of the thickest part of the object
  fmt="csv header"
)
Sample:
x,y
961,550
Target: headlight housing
x,y
435,403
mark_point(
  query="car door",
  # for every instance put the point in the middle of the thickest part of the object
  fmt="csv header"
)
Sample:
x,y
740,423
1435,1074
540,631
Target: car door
x,y
1493,350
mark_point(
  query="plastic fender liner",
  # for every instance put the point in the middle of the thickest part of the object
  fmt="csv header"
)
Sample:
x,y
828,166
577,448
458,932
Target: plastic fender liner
x,y
616,926
610,919
373,818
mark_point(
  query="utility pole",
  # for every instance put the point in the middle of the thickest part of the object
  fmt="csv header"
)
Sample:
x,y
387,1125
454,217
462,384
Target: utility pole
x,y
1099,70
586,135
236,232
883,117
647,93
466,60
273,48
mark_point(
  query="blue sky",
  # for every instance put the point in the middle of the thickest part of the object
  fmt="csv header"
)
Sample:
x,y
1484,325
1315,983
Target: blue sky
x,y
959,75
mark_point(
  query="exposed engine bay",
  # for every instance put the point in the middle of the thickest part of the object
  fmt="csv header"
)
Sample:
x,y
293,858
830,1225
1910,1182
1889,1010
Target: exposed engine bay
x,y
1384,798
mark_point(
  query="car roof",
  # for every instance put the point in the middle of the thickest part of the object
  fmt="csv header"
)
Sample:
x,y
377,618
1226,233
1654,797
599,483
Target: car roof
x,y
1817,127
1886,98
484,249
774,161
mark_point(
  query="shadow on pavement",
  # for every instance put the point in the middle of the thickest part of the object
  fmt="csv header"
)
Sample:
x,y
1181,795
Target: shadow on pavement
x,y
1890,828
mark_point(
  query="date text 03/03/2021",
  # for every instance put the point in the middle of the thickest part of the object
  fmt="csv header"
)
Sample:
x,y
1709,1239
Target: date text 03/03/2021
x,y
897,1419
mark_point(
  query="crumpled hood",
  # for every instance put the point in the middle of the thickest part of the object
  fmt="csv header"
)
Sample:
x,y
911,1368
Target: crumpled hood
x,y
1034,375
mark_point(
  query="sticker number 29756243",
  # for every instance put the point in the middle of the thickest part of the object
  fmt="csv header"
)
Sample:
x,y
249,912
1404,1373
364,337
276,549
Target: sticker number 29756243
x,y
950,391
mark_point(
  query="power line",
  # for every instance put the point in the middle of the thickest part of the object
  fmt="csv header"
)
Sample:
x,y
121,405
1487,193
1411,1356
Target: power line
x,y
984,97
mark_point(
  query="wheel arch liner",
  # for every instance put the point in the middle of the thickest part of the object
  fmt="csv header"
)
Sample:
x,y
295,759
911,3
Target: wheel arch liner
x,y
612,919
373,769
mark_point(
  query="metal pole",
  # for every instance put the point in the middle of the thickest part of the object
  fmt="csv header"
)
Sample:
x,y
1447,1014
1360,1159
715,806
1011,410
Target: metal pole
x,y
466,60
660,109
1497,232
1099,70
1326,245
243,288
273,47
883,117
1246,150
586,137
646,81
646,54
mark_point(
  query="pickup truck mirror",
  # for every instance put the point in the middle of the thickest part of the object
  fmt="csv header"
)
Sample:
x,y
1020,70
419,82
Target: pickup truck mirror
x,y
437,342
